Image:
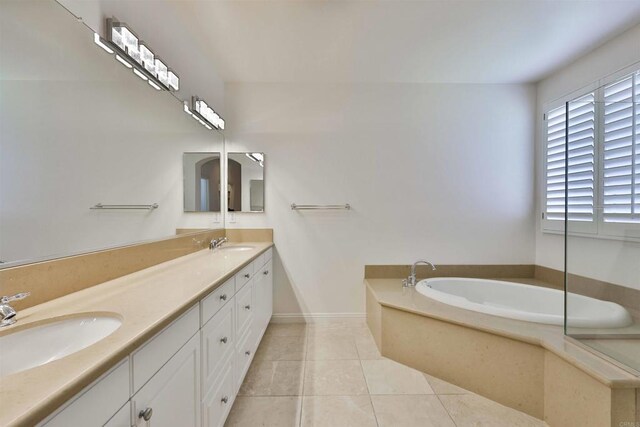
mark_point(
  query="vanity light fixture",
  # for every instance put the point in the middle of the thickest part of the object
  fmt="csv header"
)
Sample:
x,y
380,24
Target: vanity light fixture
x,y
134,54
256,157
98,40
203,114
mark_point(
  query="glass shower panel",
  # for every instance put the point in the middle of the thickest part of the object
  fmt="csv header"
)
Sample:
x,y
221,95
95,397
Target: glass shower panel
x,y
602,221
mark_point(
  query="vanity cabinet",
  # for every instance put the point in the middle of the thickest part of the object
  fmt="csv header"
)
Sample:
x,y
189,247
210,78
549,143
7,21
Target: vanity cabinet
x,y
188,374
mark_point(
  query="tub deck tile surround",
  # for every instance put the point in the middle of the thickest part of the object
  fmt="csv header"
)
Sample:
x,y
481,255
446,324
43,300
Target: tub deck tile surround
x,y
477,271
510,361
164,292
371,391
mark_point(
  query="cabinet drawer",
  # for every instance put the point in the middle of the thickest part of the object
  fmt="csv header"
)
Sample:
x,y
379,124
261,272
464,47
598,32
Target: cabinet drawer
x,y
217,344
243,276
147,360
218,401
217,299
95,405
244,309
244,356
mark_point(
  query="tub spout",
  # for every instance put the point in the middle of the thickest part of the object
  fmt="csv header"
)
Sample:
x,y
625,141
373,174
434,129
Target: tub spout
x,y
411,280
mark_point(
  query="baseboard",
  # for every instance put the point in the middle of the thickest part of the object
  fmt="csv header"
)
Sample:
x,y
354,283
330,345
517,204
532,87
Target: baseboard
x,y
317,317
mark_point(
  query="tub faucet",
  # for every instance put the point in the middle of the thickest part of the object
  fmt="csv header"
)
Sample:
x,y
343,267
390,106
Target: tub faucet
x,y
8,313
411,280
216,243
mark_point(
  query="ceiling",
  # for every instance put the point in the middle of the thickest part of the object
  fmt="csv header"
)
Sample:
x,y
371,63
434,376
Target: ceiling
x,y
450,41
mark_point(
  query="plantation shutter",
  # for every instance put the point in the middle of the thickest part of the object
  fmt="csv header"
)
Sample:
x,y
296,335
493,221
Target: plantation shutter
x,y
581,172
621,143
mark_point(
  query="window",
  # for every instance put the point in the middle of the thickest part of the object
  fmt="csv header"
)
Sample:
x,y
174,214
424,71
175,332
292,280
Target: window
x,y
602,165
621,145
581,160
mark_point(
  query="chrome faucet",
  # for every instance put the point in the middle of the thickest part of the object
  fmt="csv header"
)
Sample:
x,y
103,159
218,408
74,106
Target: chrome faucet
x,y
8,313
411,280
216,243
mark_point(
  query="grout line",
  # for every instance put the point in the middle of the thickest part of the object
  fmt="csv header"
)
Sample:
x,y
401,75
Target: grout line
x,y
446,410
304,375
373,408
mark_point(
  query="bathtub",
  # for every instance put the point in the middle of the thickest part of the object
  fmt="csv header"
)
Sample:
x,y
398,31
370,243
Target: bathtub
x,y
524,302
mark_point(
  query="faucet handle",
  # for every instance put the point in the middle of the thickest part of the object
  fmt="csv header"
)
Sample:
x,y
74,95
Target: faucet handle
x,y
16,297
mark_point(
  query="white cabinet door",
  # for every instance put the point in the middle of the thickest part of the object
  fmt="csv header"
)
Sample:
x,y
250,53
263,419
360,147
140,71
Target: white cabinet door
x,y
244,309
172,395
122,418
95,405
219,399
268,290
218,343
263,284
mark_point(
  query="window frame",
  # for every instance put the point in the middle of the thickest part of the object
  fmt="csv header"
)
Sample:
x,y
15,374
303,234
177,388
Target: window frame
x,y
597,228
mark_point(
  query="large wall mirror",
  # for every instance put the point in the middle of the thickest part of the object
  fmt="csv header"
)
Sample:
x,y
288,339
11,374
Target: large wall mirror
x,y
245,182
202,182
80,132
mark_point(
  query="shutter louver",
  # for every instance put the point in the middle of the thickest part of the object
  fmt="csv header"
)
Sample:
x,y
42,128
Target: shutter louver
x,y
621,145
581,168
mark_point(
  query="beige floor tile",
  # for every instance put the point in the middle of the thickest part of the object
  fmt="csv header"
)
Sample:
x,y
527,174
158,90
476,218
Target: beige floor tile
x,y
331,348
273,378
337,411
410,411
334,377
287,329
265,411
281,348
367,348
343,328
388,377
474,410
442,387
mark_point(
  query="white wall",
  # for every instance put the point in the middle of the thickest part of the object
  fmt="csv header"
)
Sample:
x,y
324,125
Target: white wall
x,y
170,34
442,172
608,260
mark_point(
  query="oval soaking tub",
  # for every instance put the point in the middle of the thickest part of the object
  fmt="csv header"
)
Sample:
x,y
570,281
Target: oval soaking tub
x,y
524,302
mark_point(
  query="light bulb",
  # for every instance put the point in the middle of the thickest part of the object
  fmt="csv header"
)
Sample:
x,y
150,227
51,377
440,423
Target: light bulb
x,y
97,40
123,61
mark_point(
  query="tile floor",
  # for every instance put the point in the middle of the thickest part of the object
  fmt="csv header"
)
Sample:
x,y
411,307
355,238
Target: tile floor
x,y
332,375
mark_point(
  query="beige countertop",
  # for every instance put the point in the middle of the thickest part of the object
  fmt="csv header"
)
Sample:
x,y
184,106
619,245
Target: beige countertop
x,y
390,293
145,301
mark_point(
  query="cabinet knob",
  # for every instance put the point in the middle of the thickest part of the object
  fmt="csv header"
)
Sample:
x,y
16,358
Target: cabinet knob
x,y
223,297
247,307
265,272
225,399
223,340
146,414
248,353
247,275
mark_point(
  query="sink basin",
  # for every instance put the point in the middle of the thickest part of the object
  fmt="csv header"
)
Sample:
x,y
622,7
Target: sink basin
x,y
237,248
39,345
